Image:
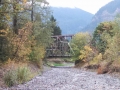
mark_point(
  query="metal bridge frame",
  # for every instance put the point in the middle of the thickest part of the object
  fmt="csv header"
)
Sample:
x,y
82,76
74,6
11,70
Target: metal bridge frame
x,y
60,46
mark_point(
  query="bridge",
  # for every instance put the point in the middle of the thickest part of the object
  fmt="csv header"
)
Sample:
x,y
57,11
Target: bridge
x,y
60,46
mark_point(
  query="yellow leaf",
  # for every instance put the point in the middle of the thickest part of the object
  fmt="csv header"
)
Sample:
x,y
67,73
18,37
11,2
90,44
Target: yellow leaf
x,y
24,1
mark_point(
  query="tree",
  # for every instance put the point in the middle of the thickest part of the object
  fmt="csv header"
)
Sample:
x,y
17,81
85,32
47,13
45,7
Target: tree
x,y
113,42
42,4
78,42
4,31
98,42
86,54
42,30
17,41
106,40
56,28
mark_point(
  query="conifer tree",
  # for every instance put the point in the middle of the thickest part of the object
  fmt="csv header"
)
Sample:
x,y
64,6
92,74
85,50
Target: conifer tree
x,y
56,28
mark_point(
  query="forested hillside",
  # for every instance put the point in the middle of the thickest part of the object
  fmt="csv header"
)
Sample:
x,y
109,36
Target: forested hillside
x,y
71,20
105,13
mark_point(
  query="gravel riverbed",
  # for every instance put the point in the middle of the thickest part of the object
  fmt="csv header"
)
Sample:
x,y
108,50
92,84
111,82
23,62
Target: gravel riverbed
x,y
70,79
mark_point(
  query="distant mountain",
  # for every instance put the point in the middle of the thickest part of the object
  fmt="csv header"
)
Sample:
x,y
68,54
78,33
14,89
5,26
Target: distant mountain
x,y
105,13
71,20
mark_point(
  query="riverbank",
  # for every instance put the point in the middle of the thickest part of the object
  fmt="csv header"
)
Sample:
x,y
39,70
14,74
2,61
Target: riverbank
x,y
70,79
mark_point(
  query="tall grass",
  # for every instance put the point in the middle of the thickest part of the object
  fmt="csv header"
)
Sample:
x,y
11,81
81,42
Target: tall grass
x,y
23,74
18,76
10,78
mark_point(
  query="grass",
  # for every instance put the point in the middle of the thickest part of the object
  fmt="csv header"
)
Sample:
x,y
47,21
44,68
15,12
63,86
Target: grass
x,y
17,76
58,64
23,74
10,78
14,73
55,64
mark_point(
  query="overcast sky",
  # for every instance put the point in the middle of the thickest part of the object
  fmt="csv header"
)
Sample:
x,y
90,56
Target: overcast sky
x,y
91,6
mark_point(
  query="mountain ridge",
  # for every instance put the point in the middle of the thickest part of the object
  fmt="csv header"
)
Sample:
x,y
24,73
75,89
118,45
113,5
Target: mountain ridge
x,y
71,20
106,13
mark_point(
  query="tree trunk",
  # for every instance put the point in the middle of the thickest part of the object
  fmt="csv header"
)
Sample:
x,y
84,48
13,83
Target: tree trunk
x,y
32,12
15,27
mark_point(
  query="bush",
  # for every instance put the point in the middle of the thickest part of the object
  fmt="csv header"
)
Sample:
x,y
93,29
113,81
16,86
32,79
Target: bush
x,y
10,78
115,66
23,74
104,67
96,60
18,76
37,55
86,54
78,42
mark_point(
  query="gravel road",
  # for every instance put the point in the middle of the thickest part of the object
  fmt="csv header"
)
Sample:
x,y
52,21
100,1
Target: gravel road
x,y
70,79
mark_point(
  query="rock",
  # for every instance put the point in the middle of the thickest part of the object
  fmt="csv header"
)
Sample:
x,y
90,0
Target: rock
x,y
102,70
69,79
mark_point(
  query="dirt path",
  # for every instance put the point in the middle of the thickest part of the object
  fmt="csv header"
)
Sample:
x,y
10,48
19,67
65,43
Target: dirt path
x,y
70,79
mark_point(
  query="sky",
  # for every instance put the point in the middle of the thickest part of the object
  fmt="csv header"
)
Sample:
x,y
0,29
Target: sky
x,y
91,6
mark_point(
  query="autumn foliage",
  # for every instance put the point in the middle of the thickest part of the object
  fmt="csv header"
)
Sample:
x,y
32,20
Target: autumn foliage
x,y
24,33
103,51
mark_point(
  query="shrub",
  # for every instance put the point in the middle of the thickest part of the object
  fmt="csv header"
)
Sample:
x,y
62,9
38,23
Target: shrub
x,y
78,42
86,54
17,76
104,67
37,55
23,74
10,78
115,66
96,60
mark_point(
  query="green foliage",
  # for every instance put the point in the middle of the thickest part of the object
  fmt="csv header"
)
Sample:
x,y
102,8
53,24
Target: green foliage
x,y
56,28
10,78
4,31
112,39
98,41
112,52
57,64
4,53
78,42
96,60
42,33
37,55
20,39
23,74
23,39
41,36
17,76
107,36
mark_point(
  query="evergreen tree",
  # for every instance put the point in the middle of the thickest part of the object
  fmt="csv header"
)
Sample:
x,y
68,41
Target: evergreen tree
x,y
56,28
4,27
98,41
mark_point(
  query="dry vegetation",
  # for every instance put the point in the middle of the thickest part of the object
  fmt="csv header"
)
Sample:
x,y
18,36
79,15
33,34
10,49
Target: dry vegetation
x,y
12,73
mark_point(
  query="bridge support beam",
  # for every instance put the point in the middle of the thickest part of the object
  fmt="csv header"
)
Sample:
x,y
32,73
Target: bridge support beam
x,y
60,47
